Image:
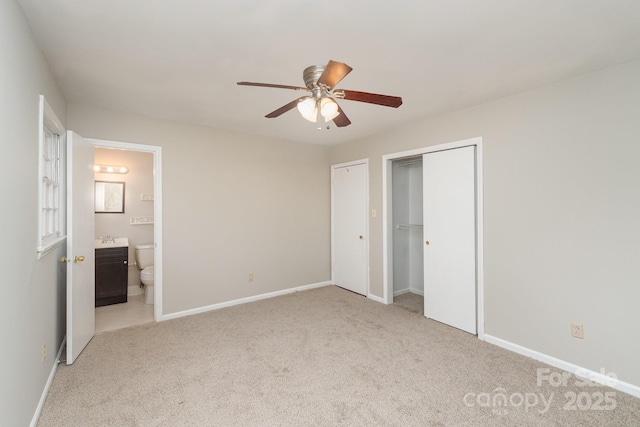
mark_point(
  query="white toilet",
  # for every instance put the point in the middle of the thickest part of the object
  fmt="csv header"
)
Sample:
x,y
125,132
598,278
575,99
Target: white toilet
x,y
144,258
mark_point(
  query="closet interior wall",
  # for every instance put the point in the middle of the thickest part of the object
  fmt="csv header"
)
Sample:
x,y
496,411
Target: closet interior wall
x,y
408,263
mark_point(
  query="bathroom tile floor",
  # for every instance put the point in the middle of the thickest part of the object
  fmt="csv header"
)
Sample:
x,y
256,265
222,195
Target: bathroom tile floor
x,y
118,316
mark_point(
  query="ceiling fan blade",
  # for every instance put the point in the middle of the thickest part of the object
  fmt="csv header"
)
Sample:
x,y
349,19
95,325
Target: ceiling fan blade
x,y
341,120
333,73
284,108
271,85
371,98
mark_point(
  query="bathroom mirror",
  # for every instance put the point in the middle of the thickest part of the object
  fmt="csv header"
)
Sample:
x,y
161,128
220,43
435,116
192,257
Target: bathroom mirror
x,y
109,197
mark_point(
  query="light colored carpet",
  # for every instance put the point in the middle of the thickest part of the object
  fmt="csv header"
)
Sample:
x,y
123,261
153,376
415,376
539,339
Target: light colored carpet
x,y
410,301
322,357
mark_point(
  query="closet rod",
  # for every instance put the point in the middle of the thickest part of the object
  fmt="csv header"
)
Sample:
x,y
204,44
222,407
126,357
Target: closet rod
x,y
409,226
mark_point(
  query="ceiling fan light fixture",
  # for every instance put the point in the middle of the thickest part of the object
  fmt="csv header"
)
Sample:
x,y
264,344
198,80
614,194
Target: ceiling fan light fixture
x,y
321,81
308,109
328,109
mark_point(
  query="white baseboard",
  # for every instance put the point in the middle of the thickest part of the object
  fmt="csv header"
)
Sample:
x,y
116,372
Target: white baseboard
x,y
597,377
52,374
375,298
406,291
243,301
401,292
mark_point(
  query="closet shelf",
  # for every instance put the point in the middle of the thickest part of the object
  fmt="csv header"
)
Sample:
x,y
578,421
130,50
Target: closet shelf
x,y
409,226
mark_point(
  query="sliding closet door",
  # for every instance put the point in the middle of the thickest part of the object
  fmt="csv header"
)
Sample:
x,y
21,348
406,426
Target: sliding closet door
x,y
449,206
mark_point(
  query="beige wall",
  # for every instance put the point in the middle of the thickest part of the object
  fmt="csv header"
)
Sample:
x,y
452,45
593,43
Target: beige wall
x,y
33,291
561,213
233,204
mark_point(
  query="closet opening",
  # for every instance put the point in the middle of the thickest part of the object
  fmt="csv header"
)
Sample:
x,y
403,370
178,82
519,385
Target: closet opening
x,y
407,233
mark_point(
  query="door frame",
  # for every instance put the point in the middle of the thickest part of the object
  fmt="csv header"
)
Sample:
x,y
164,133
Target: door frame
x,y
333,168
157,211
387,220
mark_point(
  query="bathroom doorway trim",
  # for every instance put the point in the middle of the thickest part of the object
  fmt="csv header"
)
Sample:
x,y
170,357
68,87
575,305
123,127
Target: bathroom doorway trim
x,y
157,211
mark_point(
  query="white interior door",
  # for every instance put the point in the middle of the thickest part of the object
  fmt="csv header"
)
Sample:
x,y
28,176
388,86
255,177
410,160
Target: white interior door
x,y
449,206
349,227
80,246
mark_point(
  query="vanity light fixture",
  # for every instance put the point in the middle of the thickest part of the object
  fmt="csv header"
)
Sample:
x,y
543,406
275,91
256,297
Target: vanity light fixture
x,y
110,169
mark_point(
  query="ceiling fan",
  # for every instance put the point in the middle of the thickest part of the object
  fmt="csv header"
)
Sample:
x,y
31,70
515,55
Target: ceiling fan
x,y
321,80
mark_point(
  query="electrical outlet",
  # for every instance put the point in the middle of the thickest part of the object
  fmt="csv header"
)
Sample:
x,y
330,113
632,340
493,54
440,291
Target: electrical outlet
x,y
251,277
577,331
43,352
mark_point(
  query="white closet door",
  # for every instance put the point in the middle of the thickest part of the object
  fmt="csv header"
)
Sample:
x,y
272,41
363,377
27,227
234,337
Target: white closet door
x,y
349,227
450,237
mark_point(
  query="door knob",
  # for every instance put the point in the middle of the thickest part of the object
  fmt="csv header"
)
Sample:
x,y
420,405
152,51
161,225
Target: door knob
x,y
64,259
78,258
426,243
361,237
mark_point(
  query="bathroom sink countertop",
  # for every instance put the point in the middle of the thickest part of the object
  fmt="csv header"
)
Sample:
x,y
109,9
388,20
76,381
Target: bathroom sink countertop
x,y
118,242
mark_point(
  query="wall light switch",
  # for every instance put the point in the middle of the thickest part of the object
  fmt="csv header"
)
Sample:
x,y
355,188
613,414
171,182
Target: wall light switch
x,y
374,213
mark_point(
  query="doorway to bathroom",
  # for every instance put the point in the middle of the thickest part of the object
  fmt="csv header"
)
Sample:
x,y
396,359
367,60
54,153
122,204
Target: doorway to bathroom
x,y
138,224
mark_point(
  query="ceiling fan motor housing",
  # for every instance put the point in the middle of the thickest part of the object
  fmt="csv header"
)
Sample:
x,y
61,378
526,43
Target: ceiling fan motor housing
x,y
311,75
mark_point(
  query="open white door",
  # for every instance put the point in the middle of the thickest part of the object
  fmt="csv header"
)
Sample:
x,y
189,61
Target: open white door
x,y
449,207
80,246
349,227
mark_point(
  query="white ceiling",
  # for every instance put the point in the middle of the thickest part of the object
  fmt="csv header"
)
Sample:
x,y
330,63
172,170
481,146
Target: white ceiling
x,y
181,59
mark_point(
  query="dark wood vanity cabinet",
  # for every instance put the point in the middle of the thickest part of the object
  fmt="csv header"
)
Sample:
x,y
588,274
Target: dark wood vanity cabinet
x,y
112,272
